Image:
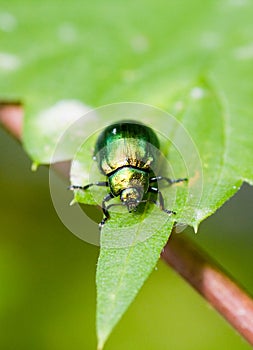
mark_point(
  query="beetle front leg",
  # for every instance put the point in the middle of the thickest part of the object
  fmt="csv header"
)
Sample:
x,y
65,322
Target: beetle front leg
x,y
161,200
169,181
105,210
98,183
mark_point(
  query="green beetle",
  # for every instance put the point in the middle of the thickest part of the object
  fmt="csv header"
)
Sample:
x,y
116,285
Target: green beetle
x,y
126,153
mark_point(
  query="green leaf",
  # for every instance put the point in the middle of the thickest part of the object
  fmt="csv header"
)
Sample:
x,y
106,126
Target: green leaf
x,y
193,59
131,243
204,115
121,271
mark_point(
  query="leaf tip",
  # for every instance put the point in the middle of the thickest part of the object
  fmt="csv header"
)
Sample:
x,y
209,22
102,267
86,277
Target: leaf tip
x,y
101,342
103,333
196,227
74,201
34,166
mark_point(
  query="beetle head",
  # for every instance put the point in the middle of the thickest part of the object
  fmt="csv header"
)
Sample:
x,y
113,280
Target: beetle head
x,y
131,197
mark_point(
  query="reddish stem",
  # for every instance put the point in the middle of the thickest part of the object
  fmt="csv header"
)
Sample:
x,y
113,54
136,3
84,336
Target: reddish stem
x,y
205,275
230,300
11,116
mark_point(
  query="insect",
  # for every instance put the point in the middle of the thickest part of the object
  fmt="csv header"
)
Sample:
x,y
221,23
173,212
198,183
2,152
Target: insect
x,y
126,153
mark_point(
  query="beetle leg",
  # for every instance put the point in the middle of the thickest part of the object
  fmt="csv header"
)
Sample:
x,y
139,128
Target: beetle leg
x,y
105,210
169,181
161,200
99,183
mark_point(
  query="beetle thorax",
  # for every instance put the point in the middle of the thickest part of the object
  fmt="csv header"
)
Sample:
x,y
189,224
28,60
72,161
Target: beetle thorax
x,y
130,184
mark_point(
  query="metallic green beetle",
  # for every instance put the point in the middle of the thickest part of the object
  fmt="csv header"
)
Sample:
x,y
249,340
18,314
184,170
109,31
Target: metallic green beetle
x,y
126,153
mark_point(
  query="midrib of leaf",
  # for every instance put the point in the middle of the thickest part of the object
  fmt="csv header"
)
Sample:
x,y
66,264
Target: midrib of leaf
x,y
129,251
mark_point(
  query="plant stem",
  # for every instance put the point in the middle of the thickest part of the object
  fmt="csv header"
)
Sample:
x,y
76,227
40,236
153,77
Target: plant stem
x,y
11,117
193,264
205,275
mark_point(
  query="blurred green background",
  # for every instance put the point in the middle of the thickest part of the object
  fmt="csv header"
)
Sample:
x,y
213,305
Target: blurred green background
x,y
47,275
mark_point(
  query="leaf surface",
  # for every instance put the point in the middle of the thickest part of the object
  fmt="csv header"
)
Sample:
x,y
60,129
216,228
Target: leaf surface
x,y
192,59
